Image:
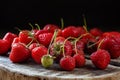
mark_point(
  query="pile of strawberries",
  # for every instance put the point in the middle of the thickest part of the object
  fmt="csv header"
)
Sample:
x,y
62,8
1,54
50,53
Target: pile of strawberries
x,y
67,47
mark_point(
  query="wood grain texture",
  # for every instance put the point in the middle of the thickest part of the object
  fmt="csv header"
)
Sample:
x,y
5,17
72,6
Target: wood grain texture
x,y
33,71
115,62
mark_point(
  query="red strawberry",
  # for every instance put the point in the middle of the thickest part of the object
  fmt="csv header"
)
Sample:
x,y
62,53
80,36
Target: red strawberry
x,y
78,53
45,38
15,40
19,53
40,32
70,31
96,32
38,52
88,37
9,37
25,36
113,47
50,28
105,43
81,30
80,45
67,63
109,34
100,58
79,59
33,45
4,46
111,43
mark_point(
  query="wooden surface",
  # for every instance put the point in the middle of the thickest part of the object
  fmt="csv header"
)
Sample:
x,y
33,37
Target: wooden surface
x,y
33,71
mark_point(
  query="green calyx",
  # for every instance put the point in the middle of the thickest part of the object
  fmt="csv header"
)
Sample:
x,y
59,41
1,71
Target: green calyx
x,y
57,50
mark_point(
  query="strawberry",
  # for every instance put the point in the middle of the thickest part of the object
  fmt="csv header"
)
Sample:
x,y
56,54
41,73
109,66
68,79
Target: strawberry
x,y
105,43
45,38
19,53
4,46
25,36
67,63
113,48
40,32
81,30
33,45
70,31
38,52
47,61
100,58
88,37
79,60
111,43
109,34
78,53
9,37
80,45
96,32
50,27
15,40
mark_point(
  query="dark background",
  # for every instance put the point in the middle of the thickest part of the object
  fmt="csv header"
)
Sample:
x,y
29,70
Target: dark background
x,y
99,13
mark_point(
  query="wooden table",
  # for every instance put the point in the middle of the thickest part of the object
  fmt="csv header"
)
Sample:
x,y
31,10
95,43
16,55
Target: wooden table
x,y
33,71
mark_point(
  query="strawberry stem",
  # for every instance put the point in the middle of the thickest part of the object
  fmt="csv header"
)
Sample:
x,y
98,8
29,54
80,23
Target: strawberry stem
x,y
84,19
38,27
62,23
52,40
93,44
76,47
18,29
100,44
85,23
63,47
31,26
82,36
29,43
32,35
85,28
64,44
78,40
